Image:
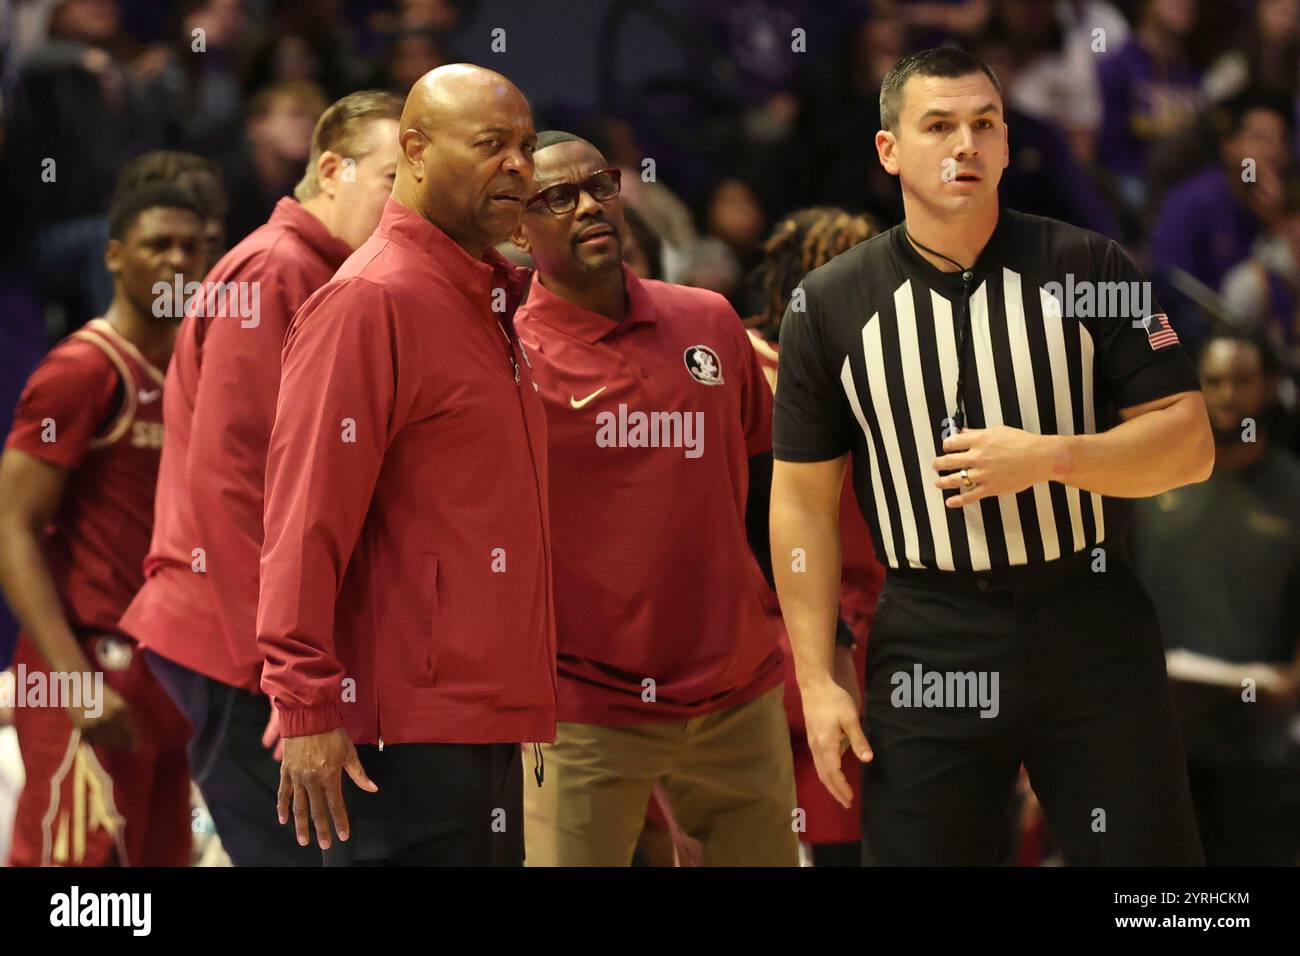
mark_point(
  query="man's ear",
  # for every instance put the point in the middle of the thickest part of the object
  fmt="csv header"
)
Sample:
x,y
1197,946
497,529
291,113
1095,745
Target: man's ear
x,y
1006,146
113,256
520,240
413,141
886,146
328,165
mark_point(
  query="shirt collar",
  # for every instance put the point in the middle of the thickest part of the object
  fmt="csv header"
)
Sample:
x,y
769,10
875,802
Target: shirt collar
x,y
408,227
290,214
989,262
590,327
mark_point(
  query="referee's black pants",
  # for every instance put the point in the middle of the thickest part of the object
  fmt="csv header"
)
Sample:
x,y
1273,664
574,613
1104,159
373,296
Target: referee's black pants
x,y
437,805
1082,700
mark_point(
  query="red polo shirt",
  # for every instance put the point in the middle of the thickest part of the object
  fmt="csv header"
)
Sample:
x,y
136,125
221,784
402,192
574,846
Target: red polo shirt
x,y
406,575
654,579
199,601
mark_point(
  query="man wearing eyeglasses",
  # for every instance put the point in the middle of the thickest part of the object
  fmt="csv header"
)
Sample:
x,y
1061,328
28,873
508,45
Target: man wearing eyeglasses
x,y
669,673
405,611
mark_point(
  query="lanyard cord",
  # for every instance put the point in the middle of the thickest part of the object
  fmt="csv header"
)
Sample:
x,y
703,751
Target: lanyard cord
x,y
959,417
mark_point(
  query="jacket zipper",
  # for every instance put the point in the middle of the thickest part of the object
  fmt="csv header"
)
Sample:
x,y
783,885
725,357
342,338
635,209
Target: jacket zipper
x,y
541,514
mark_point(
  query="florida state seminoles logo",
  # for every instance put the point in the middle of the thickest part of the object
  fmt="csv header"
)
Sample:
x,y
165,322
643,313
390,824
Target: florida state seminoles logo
x,y
704,365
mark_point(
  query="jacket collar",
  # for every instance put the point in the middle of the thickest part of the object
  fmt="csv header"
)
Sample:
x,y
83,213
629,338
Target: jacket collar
x,y
290,215
409,228
583,324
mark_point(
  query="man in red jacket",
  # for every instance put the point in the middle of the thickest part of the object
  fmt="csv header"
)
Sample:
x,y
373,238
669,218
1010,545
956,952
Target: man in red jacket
x,y
659,418
405,610
196,612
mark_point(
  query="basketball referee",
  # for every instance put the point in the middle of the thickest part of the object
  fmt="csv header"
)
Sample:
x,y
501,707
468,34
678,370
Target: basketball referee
x,y
1000,380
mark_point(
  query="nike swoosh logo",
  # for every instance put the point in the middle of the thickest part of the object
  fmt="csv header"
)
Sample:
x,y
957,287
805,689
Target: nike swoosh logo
x,y
579,403
146,396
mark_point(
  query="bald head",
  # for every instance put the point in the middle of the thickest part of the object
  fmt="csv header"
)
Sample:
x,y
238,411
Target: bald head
x,y
467,154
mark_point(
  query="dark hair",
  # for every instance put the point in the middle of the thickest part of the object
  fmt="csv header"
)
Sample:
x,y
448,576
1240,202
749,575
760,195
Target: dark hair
x,y
651,245
553,137
1232,114
198,176
938,61
800,243
128,206
1270,362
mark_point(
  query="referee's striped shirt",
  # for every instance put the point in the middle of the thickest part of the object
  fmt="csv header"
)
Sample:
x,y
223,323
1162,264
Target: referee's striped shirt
x,y
1061,333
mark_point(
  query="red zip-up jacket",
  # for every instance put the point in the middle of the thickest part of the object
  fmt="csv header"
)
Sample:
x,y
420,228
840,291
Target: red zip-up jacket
x,y
218,408
405,575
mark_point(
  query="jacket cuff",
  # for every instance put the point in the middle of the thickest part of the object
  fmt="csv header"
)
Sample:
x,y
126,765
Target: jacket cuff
x,y
306,721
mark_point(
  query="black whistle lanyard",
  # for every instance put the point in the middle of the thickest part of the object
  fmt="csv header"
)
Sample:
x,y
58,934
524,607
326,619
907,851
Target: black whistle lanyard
x,y
963,326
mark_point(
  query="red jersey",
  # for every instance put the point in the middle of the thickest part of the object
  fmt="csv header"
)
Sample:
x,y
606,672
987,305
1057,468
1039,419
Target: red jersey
x,y
94,407
862,574
651,425
199,604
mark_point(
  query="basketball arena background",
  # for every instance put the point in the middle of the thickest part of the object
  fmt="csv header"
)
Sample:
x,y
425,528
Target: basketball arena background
x,y
746,111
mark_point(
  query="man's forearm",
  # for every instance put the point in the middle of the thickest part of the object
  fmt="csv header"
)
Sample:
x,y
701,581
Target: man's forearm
x,y
806,564
35,601
1148,454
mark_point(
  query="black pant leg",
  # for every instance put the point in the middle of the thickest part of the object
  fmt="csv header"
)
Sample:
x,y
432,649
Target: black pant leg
x,y
238,777
437,805
937,789
1105,754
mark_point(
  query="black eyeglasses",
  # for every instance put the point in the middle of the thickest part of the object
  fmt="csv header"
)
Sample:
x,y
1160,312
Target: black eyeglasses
x,y
602,186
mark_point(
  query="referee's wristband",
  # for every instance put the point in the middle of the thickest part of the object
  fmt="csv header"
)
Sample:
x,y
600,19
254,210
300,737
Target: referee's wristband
x,y
844,636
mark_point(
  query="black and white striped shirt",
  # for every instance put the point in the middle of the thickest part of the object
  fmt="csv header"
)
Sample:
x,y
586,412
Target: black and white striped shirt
x,y
1061,333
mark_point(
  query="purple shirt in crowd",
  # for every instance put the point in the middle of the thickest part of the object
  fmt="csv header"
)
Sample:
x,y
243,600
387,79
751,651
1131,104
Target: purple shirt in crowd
x,y
1203,227
1141,102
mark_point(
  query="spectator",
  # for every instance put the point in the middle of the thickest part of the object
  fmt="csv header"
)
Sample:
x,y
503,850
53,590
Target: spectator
x,y
193,81
1262,294
841,105
1150,90
78,116
734,216
306,40
1208,223
1221,561
1060,44
265,167
1044,177
1266,58
411,54
642,247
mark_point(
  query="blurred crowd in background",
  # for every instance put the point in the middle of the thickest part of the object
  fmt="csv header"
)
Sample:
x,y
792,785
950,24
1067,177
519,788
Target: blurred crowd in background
x,y
1169,125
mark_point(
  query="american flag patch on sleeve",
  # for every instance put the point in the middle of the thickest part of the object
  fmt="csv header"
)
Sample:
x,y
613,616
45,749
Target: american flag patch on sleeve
x,y
1160,333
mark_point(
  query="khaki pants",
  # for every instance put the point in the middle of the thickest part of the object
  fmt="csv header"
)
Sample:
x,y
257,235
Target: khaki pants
x,y
728,775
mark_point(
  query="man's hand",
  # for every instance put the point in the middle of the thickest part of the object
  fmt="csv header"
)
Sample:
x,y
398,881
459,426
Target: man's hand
x,y
999,461
831,723
113,728
311,776
271,735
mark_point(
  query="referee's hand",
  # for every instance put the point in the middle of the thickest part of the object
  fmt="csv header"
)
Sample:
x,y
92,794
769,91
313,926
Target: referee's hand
x,y
832,723
311,776
998,461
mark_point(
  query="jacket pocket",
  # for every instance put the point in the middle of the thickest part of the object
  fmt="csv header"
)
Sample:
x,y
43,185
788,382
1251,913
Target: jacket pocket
x,y
425,642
